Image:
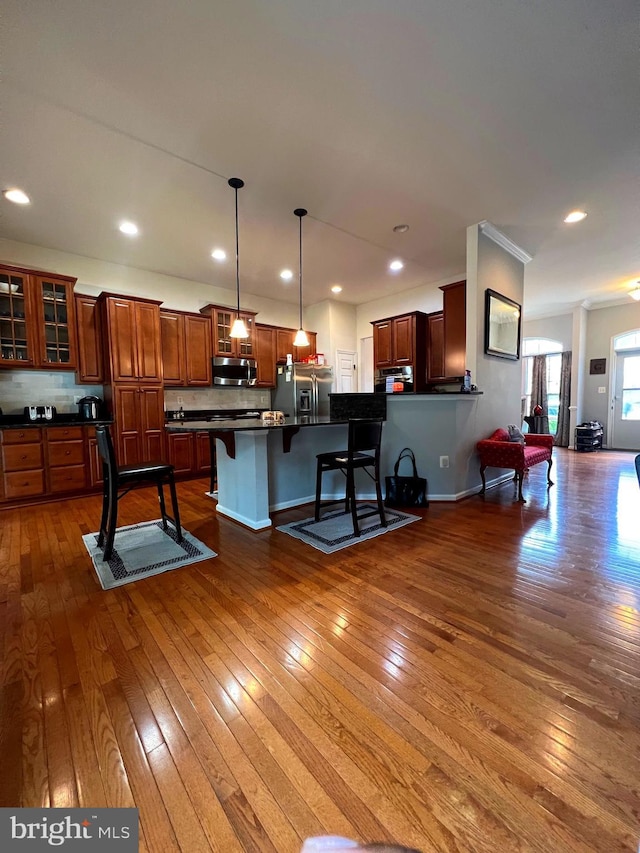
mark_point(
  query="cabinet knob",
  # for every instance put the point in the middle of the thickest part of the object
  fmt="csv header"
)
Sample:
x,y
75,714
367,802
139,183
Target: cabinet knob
x,y
24,456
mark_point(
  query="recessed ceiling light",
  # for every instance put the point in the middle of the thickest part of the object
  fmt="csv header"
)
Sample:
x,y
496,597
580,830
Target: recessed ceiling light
x,y
16,196
575,216
400,229
129,228
286,275
336,289
219,255
396,266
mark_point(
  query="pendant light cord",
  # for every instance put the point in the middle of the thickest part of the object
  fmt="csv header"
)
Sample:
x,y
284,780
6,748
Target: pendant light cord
x,y
237,183
300,212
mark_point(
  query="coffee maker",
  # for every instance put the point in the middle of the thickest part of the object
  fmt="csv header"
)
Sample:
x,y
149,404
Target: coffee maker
x,y
89,408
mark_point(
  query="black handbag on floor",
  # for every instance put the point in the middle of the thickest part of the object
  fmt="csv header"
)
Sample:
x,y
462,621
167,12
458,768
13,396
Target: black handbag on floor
x,y
406,491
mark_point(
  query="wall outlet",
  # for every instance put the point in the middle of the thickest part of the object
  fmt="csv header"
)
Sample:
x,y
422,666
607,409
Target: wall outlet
x,y
602,389
444,461
179,400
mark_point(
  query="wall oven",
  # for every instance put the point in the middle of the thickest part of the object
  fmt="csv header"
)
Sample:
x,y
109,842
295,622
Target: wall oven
x,y
239,372
393,380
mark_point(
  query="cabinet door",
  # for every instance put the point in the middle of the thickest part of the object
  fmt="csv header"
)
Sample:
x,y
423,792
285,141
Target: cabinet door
x,y
223,343
18,337
180,451
90,369
284,344
435,348
383,344
95,463
300,353
121,321
197,345
149,354
455,329
203,452
172,337
56,322
403,350
245,347
126,407
265,356
151,424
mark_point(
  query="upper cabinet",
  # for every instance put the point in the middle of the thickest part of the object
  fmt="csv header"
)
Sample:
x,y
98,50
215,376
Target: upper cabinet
x,y
221,322
37,319
284,345
132,338
265,340
186,348
401,340
447,336
90,370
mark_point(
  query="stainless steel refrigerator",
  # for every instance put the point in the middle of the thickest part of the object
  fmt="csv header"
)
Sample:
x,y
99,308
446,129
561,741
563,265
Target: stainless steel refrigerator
x,y
303,389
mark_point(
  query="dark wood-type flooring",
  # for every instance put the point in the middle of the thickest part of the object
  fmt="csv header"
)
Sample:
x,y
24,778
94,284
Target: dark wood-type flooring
x,y
470,682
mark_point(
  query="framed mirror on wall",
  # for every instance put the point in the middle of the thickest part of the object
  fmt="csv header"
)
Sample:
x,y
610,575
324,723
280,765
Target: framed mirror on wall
x,y
502,321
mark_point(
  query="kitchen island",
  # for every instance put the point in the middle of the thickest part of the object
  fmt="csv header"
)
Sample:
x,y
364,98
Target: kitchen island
x,y
264,467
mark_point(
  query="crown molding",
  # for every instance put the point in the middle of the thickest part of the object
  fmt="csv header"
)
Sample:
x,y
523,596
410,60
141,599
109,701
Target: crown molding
x,y
493,233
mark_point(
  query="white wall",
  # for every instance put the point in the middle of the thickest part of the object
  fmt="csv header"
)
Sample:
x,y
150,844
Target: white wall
x,y
555,328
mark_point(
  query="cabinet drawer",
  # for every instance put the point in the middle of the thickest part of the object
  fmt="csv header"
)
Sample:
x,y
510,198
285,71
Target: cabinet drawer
x,y
20,436
69,479
23,484
22,457
66,453
64,433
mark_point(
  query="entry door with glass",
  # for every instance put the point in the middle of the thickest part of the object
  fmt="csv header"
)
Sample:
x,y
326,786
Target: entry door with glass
x,y
625,425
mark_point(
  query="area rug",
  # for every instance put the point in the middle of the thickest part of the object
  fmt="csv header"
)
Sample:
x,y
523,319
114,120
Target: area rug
x,y
142,550
335,529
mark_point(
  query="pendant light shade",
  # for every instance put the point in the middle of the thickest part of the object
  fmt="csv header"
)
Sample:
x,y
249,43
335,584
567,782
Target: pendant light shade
x,y
238,329
300,339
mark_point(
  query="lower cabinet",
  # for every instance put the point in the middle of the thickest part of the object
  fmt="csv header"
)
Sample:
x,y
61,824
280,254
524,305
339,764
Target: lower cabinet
x,y
65,459
22,464
138,411
189,453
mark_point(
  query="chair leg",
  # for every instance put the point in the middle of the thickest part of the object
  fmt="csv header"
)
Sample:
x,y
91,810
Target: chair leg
x,y
383,518
112,519
549,480
351,497
483,468
318,490
519,478
163,508
176,511
105,515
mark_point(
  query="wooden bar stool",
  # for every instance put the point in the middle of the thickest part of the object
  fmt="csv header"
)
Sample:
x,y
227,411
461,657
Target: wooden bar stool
x,y
363,453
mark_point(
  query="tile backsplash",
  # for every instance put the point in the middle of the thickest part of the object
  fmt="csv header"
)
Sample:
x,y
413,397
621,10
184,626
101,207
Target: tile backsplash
x,y
20,388
217,398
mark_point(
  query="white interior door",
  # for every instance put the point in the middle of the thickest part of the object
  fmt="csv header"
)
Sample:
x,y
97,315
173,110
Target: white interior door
x,y
625,422
346,372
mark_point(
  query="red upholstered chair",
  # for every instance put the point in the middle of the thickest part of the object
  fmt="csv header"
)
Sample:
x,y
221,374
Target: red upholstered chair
x,y
497,451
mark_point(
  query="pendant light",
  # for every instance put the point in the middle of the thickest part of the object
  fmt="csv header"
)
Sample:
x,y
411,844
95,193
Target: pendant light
x,y
300,339
238,330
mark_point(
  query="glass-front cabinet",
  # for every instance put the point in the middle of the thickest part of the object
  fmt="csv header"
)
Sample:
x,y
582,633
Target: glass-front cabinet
x,y
17,346
37,319
222,321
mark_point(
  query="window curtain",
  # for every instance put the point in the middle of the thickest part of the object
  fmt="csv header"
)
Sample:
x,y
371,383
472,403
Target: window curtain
x,y
539,384
562,433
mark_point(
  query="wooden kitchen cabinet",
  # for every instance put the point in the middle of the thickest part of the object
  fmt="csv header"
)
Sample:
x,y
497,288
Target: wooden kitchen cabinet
x,y
435,347
138,412
23,473
65,459
447,337
186,348
265,340
221,322
284,345
37,319
132,339
180,448
400,341
90,369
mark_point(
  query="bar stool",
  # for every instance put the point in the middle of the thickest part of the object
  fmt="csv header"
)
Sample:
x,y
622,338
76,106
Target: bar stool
x,y
130,477
364,435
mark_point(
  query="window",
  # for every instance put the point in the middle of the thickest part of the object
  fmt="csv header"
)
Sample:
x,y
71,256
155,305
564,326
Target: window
x,y
553,351
631,388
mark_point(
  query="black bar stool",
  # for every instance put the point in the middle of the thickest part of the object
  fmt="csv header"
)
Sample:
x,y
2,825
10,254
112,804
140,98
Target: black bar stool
x,y
130,477
364,435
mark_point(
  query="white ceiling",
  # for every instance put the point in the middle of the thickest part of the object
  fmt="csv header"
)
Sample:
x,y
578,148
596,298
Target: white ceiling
x,y
369,113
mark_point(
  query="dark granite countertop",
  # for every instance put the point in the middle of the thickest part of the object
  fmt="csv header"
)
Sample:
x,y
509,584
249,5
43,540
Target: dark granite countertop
x,y
252,424
61,420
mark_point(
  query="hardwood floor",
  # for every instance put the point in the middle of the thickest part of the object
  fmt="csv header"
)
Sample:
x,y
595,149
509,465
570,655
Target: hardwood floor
x,y
469,683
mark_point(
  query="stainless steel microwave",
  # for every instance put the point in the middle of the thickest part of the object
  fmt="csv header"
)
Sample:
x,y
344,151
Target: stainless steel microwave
x,y
394,380
239,372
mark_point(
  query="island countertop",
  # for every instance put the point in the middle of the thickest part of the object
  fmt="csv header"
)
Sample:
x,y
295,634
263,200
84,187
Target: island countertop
x,y
245,424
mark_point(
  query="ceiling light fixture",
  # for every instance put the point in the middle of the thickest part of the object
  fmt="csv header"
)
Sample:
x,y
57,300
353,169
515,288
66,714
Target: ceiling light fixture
x,y
129,228
238,330
16,196
400,229
286,275
219,255
336,289
635,293
575,216
396,266
301,339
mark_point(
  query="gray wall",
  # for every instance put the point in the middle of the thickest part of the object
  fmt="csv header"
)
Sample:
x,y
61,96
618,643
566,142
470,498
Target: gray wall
x,y
555,328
